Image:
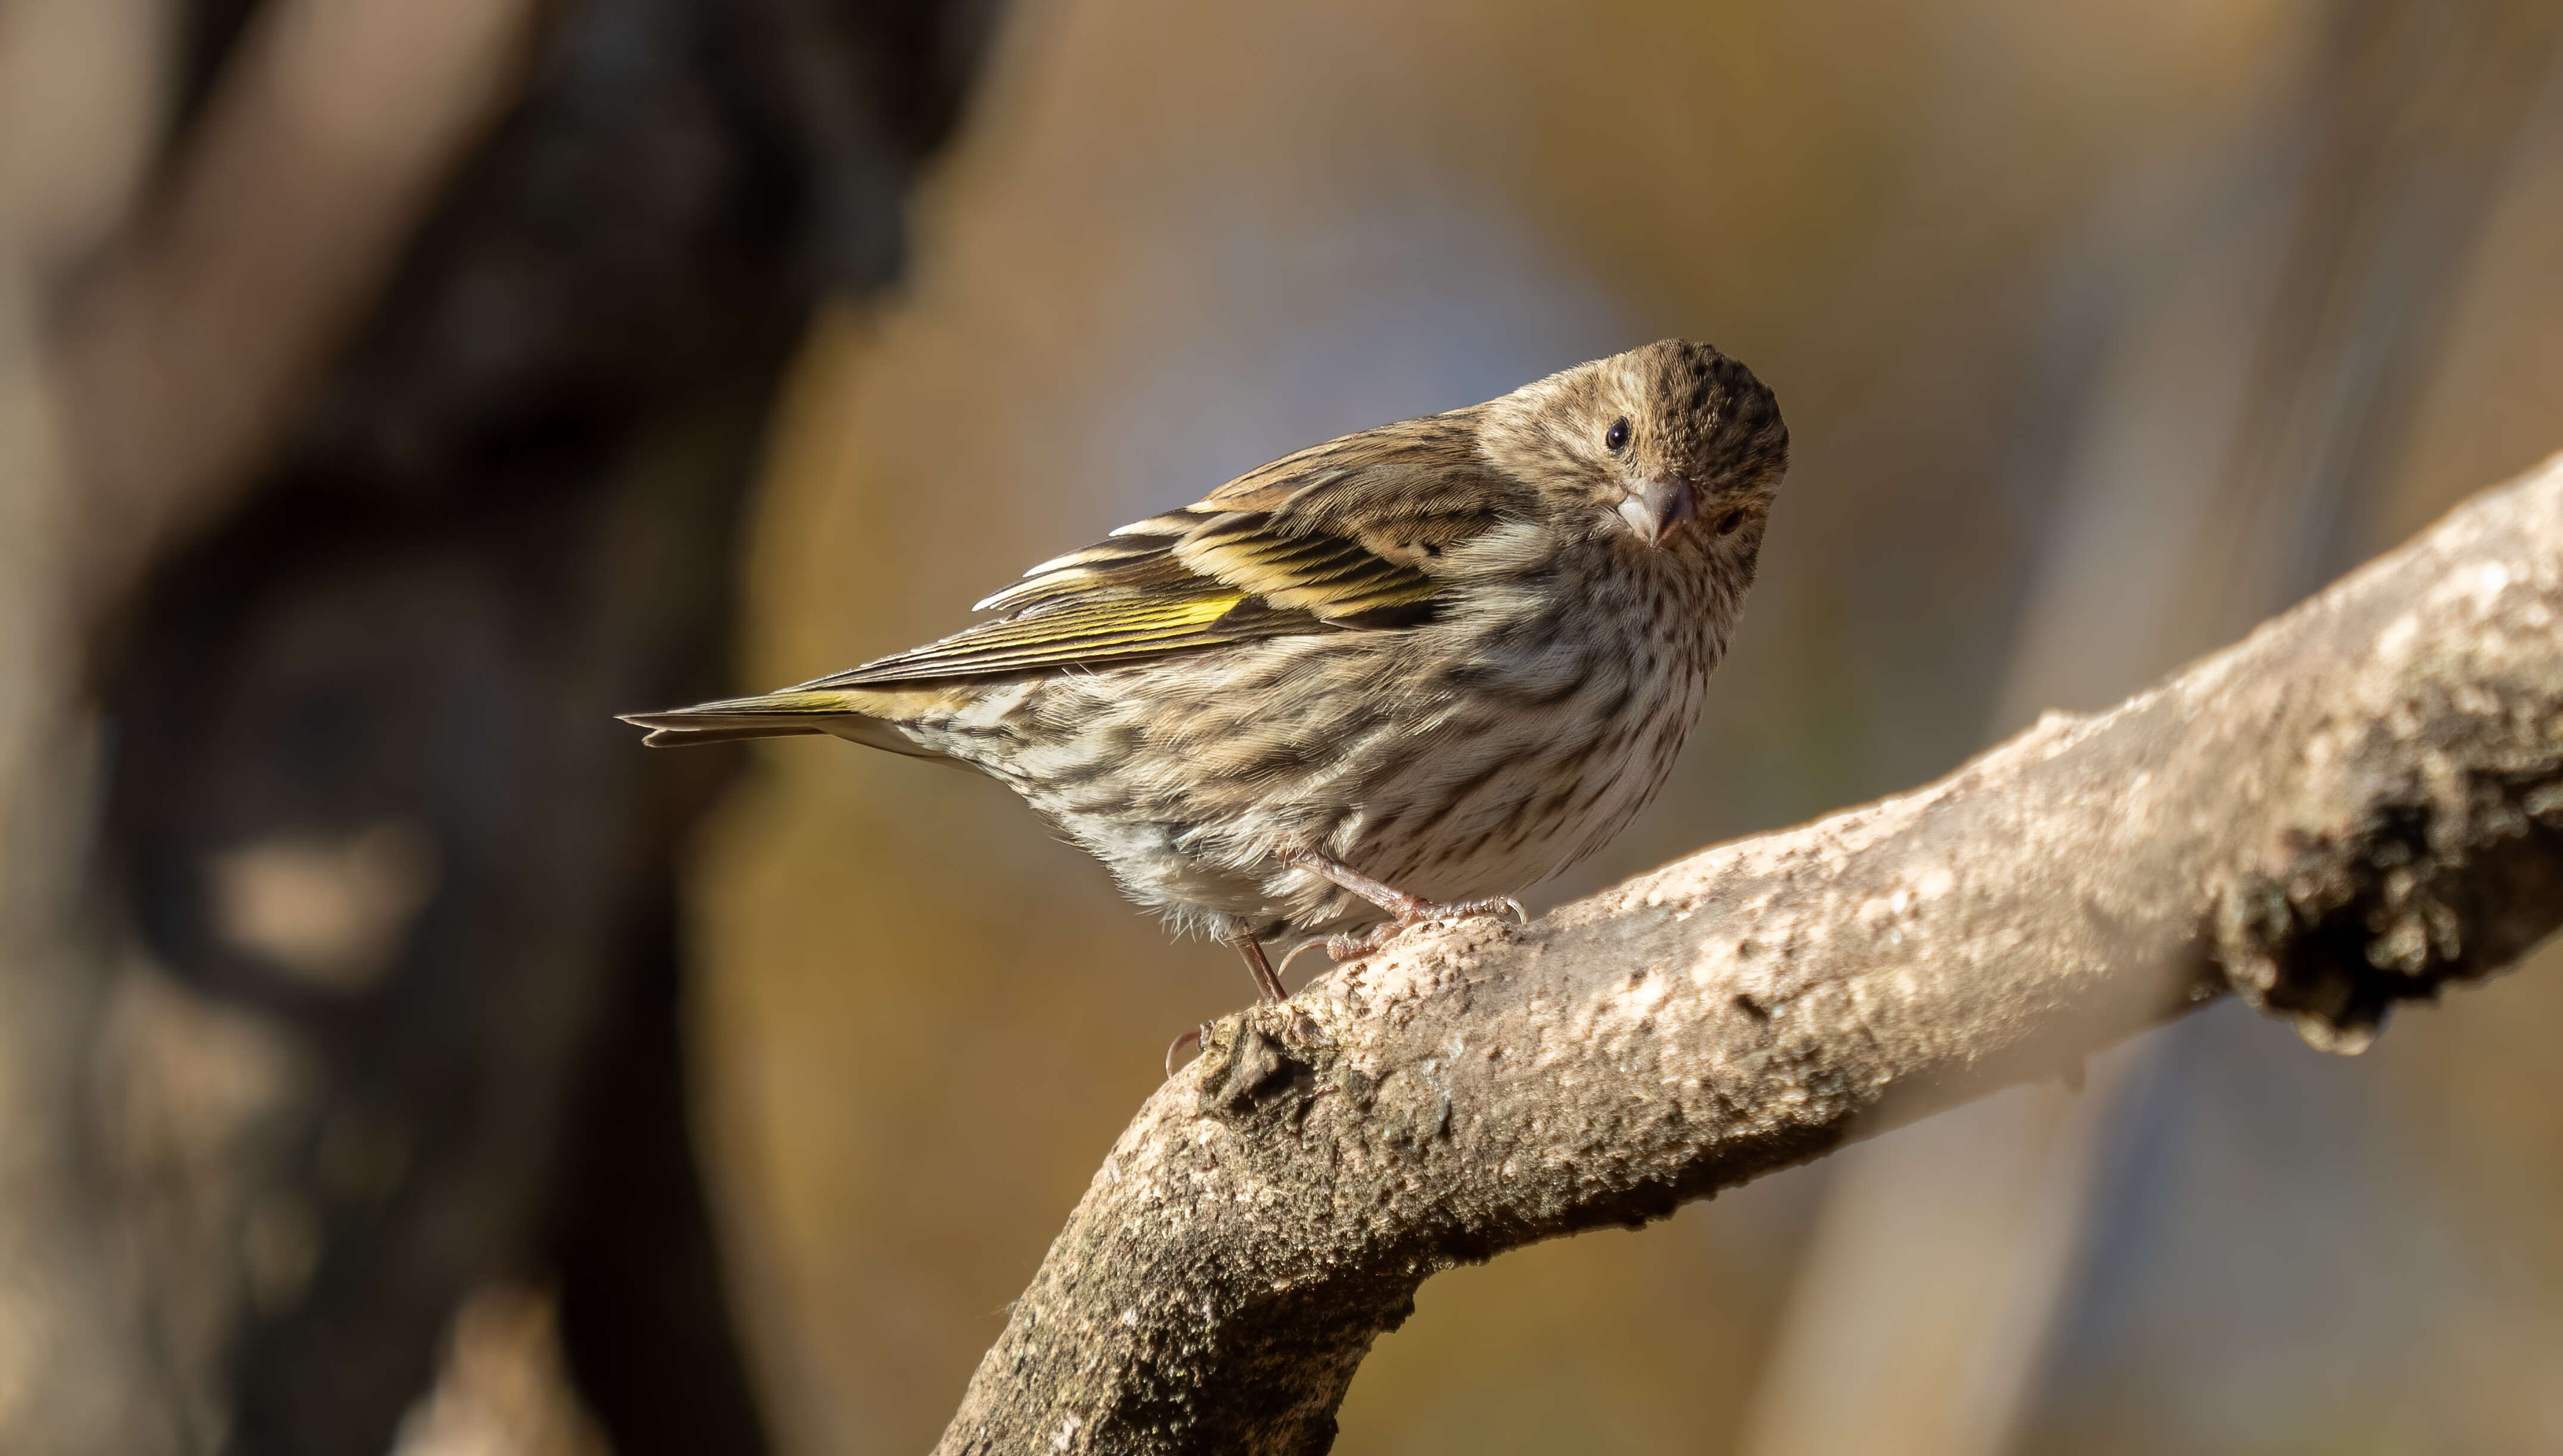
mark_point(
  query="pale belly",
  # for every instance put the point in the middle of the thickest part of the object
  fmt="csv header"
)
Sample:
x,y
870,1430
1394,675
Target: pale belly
x,y
1193,777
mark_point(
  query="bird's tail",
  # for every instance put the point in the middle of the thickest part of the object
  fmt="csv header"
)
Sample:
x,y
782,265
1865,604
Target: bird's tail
x,y
774,716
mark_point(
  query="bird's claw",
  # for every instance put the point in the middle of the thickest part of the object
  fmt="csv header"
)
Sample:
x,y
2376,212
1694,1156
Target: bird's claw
x,y
1293,952
1192,1038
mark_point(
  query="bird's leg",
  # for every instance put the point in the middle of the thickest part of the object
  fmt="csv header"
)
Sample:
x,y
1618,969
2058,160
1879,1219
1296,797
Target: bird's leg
x,y
1405,911
1260,966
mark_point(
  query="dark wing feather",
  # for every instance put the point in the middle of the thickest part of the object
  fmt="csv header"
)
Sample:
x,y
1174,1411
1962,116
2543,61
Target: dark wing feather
x,y
1344,536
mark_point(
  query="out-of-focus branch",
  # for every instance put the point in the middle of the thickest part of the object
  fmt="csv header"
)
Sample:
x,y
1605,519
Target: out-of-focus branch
x,y
185,357
2358,804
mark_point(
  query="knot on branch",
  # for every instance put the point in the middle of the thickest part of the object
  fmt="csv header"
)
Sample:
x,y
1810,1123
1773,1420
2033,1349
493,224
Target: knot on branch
x,y
1260,1063
2353,921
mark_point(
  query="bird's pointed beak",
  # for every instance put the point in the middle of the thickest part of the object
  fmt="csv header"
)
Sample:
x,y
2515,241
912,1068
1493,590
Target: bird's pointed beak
x,y
1664,503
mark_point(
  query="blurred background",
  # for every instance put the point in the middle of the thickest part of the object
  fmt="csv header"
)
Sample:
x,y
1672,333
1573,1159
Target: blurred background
x,y
393,1057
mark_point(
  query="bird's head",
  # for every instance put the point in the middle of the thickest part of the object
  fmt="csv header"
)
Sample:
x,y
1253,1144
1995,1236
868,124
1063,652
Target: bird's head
x,y
1673,443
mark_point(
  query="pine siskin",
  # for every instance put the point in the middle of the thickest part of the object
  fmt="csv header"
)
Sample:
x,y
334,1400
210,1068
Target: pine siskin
x,y
1441,658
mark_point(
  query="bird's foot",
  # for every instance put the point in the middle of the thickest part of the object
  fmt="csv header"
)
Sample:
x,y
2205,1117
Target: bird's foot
x,y
1405,912
1349,947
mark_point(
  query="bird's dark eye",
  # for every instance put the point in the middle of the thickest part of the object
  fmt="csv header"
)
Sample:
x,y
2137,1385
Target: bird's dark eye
x,y
1616,436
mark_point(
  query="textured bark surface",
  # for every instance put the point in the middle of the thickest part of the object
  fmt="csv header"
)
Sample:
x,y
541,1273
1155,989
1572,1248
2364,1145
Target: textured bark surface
x,y
2356,805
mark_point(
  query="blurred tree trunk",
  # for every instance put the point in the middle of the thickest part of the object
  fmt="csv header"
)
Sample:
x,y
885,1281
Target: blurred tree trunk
x,y
383,501
80,104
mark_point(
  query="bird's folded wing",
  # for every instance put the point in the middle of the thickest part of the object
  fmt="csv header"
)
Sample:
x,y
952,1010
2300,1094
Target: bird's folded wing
x,y
1335,538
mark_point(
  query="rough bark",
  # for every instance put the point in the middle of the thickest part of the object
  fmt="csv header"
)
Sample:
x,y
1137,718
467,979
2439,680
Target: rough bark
x,y
2356,805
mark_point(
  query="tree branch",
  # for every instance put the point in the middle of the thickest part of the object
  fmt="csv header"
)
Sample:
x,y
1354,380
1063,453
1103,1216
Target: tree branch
x,y
2357,805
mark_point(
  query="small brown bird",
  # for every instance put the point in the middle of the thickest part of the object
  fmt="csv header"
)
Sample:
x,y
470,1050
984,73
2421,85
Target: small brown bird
x,y
1441,659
